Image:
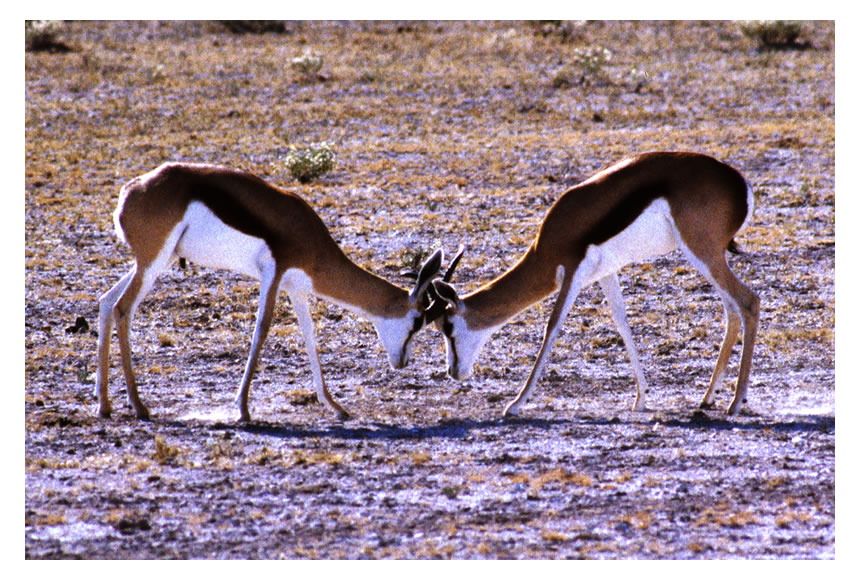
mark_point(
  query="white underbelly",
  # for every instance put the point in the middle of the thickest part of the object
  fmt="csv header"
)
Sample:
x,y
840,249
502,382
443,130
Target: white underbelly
x,y
208,241
650,235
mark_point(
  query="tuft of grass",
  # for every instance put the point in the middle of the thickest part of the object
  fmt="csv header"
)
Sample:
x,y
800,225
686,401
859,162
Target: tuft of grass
x,y
420,457
221,448
265,456
606,341
639,79
562,476
308,65
300,458
164,453
638,520
158,369
724,518
51,519
554,536
624,477
775,482
778,338
785,520
302,397
450,491
83,375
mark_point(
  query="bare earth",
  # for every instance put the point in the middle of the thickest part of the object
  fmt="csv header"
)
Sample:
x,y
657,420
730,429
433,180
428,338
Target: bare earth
x,y
446,133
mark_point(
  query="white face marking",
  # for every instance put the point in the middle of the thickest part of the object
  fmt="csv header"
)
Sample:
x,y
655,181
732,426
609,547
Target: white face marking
x,y
395,334
209,242
463,345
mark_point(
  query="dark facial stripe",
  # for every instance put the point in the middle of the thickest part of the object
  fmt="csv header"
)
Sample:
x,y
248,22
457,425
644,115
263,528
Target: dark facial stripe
x,y
416,326
447,329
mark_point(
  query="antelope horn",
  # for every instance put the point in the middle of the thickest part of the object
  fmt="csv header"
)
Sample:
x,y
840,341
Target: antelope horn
x,y
454,262
428,271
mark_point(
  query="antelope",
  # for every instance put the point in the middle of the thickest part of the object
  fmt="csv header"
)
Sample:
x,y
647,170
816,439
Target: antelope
x,y
224,218
639,208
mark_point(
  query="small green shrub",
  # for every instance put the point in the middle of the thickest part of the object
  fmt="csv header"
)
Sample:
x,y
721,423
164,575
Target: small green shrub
x,y
587,65
413,257
307,65
591,60
308,163
773,33
639,79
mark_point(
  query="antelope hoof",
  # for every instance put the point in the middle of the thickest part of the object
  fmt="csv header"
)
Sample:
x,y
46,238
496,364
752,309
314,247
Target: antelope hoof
x,y
105,411
706,405
142,413
342,415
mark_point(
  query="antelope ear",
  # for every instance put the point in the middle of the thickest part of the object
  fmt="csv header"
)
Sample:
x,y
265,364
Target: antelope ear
x,y
445,292
430,268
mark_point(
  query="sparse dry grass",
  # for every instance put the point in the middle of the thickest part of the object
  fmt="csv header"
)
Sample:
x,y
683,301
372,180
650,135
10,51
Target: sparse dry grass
x,y
445,133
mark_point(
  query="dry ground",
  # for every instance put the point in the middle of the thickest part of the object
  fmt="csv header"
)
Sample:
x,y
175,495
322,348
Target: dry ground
x,y
446,133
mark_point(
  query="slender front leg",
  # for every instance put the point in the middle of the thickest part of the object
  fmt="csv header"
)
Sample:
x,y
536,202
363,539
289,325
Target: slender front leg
x,y
306,323
612,290
269,286
563,303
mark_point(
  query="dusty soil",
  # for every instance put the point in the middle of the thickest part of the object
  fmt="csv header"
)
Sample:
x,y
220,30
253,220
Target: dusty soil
x,y
445,134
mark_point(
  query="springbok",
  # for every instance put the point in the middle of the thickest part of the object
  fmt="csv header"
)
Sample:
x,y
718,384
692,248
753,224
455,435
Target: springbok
x,y
223,218
639,208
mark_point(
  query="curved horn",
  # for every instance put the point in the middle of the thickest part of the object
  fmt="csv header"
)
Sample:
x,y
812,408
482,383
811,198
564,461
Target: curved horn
x,y
428,271
446,293
442,296
437,305
454,262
